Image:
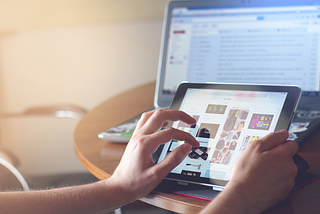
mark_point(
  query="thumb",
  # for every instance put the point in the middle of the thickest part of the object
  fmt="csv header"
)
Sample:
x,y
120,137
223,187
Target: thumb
x,y
273,140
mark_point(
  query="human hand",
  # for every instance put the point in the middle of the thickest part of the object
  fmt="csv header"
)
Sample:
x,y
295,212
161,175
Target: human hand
x,y
137,175
263,175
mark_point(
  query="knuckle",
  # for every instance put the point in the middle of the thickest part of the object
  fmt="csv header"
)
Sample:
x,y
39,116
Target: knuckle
x,y
144,115
256,144
159,113
170,129
140,141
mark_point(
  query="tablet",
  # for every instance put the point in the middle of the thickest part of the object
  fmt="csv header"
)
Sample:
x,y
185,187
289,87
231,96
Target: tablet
x,y
229,117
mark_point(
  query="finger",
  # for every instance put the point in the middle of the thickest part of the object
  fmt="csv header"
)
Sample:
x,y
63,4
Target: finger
x,y
289,147
158,118
165,124
143,119
173,159
167,135
271,140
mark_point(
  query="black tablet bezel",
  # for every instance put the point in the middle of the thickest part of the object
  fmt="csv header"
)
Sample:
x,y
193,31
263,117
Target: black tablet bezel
x,y
285,119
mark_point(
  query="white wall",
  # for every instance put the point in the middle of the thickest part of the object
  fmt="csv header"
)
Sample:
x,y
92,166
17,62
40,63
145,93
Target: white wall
x,y
81,65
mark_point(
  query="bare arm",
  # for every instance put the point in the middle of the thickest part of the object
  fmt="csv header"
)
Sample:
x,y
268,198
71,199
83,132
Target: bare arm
x,y
135,177
262,176
90,198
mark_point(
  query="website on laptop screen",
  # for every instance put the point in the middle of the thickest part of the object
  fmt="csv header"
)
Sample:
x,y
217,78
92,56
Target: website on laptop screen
x,y
270,45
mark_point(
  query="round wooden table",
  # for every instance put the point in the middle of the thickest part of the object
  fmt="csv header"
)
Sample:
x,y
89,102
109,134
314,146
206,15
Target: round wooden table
x,y
101,158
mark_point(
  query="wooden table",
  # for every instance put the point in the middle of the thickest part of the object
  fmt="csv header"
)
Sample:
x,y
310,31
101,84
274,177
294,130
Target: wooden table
x,y
101,158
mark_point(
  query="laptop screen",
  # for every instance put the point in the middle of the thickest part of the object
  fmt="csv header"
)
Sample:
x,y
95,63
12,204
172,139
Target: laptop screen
x,y
261,42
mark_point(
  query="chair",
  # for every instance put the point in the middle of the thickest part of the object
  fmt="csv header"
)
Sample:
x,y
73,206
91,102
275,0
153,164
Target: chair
x,y
10,177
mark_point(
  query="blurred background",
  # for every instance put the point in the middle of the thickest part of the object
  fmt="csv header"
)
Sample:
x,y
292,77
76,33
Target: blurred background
x,y
80,52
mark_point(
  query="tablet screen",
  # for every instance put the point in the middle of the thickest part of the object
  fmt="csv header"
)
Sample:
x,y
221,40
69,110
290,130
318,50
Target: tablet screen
x,y
227,121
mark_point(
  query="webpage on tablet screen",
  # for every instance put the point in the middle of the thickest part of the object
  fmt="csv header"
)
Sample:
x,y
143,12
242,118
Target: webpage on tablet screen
x,y
227,121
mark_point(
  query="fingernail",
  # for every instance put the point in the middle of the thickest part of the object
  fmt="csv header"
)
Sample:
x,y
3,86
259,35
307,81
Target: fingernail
x,y
195,121
186,148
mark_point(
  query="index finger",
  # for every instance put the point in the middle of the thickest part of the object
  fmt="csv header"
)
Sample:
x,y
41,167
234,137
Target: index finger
x,y
153,141
157,119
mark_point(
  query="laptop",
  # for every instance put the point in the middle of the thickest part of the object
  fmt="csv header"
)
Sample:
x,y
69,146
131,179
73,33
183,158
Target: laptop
x,y
240,41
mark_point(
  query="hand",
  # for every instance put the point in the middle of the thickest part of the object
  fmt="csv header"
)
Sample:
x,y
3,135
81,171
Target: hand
x,y
137,175
263,175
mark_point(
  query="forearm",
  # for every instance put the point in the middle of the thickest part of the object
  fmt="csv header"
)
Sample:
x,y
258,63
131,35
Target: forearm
x,y
92,198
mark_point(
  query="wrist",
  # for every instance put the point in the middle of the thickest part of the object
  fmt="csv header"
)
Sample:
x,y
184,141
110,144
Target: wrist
x,y
116,190
235,195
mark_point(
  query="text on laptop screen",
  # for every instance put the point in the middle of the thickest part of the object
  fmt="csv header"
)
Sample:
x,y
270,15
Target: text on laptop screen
x,y
267,45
